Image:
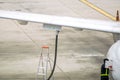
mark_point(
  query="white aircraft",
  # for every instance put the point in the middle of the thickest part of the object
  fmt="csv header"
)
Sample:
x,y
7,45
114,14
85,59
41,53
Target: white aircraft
x,y
57,21
114,58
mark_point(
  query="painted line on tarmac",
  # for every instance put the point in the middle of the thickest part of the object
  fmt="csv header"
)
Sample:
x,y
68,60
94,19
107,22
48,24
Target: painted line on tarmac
x,y
98,9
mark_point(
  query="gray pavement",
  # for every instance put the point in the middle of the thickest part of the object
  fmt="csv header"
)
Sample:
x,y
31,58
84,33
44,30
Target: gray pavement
x,y
80,53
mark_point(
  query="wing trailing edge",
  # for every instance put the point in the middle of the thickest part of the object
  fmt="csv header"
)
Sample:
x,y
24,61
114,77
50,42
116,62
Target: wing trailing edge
x,y
106,26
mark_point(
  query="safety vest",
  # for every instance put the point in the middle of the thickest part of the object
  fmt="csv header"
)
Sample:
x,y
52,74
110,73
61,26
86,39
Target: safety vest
x,y
106,73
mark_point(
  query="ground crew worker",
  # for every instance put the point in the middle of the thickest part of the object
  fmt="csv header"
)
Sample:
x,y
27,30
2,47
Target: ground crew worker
x,y
104,71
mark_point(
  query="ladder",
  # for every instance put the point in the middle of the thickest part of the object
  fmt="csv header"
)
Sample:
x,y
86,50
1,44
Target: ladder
x,y
44,64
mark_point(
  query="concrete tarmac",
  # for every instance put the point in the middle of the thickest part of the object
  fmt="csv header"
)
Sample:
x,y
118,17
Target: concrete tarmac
x,y
80,53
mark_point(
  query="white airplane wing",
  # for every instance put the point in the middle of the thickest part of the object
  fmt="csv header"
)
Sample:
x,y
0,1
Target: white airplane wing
x,y
106,26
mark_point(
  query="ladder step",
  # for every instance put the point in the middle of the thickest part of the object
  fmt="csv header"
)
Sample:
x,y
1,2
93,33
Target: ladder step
x,y
41,74
42,67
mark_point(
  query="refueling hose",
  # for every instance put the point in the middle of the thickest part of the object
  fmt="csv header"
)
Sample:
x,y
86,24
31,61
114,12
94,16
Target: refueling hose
x,y
55,57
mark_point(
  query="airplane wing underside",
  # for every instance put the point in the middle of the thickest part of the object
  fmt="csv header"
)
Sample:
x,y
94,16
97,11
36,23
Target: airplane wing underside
x,y
107,26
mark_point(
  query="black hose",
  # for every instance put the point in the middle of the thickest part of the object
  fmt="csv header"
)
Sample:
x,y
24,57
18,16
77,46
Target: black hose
x,y
55,57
